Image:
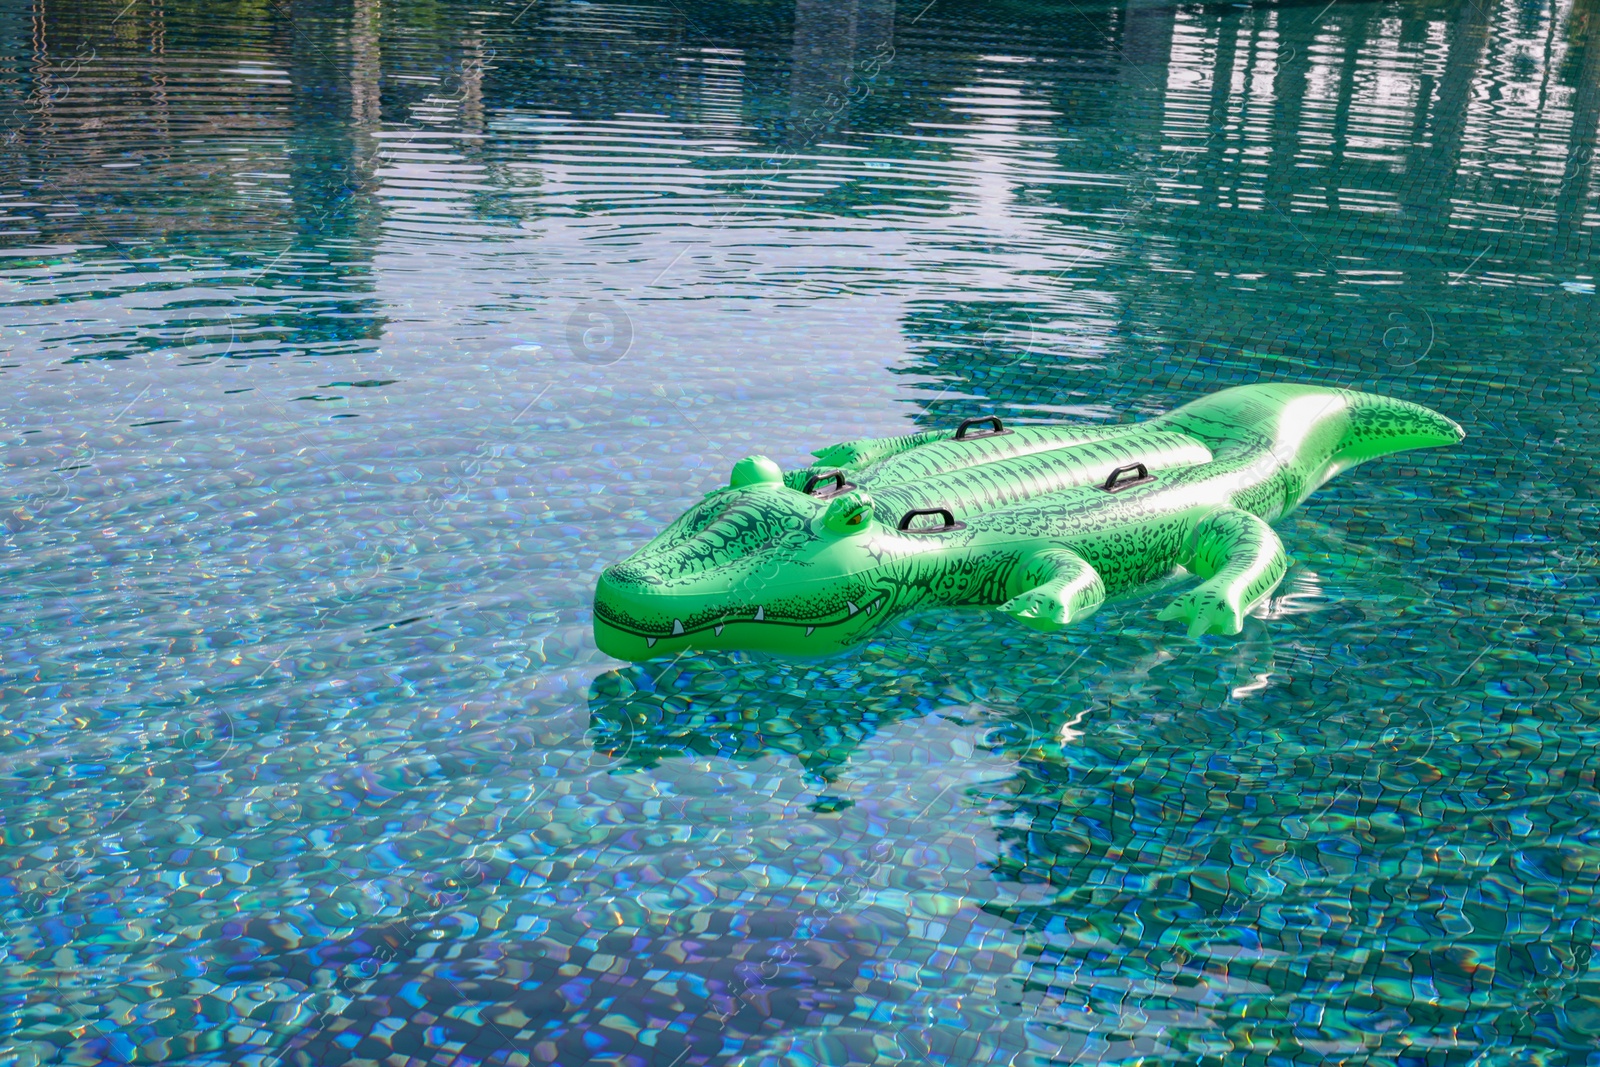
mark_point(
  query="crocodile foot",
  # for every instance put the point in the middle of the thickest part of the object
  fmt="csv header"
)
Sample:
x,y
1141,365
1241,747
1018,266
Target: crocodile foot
x,y
1041,609
1206,609
1057,588
1241,561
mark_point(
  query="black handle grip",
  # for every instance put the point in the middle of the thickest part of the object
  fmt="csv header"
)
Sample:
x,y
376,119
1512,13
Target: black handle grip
x,y
1112,485
836,477
966,424
950,522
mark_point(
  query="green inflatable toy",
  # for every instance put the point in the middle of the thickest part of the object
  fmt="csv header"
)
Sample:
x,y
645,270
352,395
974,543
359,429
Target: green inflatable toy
x,y
1042,521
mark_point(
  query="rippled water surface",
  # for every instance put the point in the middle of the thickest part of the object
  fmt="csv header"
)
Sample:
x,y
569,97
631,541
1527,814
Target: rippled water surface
x,y
345,341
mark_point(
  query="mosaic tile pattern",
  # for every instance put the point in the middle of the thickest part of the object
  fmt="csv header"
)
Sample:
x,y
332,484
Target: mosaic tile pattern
x,y
342,342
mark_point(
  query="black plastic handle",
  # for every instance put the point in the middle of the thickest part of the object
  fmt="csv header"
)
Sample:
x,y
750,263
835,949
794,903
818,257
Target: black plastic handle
x,y
950,522
836,477
966,424
1113,486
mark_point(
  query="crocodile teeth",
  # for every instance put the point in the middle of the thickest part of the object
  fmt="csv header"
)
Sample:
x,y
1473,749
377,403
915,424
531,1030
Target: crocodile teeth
x,y
810,630
650,642
761,613
717,629
851,606
677,627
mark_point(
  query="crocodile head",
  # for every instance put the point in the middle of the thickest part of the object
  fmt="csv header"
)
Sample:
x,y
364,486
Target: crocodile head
x,y
757,565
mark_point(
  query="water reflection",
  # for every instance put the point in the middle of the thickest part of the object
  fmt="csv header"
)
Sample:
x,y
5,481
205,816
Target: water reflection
x,y
840,52
645,714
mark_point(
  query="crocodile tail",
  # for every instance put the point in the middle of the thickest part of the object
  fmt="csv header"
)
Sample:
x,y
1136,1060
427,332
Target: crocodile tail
x,y
1380,425
1317,430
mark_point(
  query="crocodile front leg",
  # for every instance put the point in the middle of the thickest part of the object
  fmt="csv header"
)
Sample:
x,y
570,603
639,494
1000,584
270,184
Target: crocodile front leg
x,y
1240,559
1053,588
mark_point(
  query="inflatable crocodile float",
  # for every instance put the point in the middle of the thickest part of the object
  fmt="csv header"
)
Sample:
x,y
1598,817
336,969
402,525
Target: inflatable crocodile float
x,y
1042,521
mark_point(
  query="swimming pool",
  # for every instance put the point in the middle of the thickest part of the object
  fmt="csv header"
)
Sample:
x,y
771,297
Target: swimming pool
x,y
347,341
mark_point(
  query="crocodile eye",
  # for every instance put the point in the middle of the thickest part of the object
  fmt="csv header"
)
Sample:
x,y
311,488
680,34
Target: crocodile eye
x,y
755,470
849,513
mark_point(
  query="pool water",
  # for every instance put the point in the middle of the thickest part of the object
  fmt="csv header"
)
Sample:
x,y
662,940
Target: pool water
x,y
346,341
